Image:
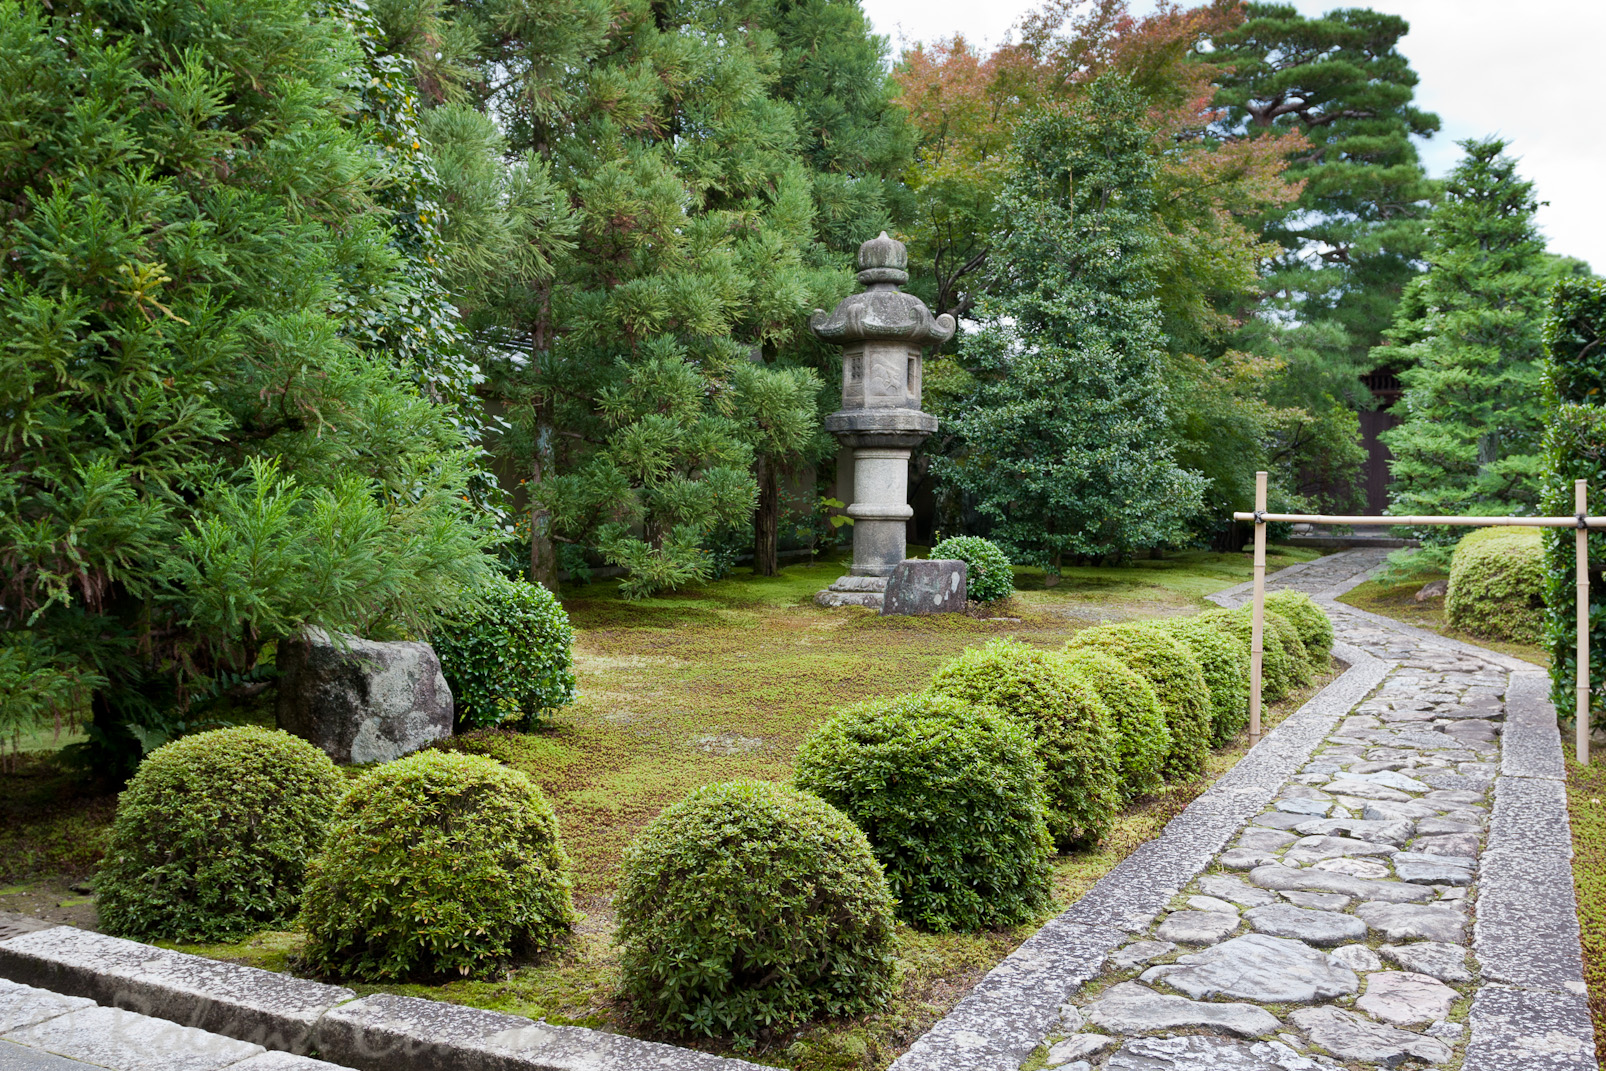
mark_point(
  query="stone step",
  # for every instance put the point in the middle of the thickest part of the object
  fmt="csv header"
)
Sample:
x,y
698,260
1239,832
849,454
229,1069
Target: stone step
x,y
859,583
830,598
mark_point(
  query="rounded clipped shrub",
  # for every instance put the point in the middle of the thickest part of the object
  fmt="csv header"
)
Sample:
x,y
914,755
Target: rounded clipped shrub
x,y
1226,673
1301,671
1178,681
1276,669
1069,724
1141,739
950,796
213,835
1309,620
437,863
511,661
748,905
989,576
1497,585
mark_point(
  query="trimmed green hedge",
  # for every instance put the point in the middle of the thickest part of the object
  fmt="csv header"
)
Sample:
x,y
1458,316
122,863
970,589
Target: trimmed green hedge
x,y
1497,584
213,835
1226,672
512,660
1178,682
950,796
1309,620
749,906
1301,671
1069,725
1276,671
989,576
1142,740
1574,449
436,864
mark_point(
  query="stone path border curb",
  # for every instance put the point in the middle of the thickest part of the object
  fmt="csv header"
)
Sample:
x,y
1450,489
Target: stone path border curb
x,y
1006,1016
293,1015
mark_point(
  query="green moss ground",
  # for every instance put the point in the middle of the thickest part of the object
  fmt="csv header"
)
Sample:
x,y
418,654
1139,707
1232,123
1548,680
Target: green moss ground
x,y
1586,811
1399,602
716,683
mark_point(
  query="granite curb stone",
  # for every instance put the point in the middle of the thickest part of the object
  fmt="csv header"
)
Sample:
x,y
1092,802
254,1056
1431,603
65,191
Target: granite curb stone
x,y
161,990
275,1011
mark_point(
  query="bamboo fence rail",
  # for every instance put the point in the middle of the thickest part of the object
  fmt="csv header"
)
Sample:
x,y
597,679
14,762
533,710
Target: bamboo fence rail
x,y
1580,521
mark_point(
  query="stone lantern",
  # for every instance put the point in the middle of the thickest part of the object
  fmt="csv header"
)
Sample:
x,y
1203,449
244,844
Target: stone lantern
x,y
881,331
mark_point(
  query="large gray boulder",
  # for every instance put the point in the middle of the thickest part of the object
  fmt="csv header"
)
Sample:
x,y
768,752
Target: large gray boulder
x,y
918,586
362,700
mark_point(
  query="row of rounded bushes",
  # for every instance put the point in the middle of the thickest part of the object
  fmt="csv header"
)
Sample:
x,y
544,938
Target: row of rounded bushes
x,y
434,863
747,905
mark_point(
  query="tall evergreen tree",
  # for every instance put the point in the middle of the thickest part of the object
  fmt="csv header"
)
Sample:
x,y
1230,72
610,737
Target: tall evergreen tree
x,y
696,246
854,139
1356,234
1469,335
1065,431
210,431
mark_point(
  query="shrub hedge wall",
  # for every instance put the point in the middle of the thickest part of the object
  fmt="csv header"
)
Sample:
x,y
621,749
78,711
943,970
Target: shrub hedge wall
x,y
1574,449
1497,584
950,796
1178,681
1068,723
749,906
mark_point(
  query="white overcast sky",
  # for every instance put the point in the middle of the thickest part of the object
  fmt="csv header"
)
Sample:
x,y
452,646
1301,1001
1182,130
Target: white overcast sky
x,y
1532,71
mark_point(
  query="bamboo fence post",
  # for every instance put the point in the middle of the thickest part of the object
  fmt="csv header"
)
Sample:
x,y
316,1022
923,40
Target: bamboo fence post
x,y
1581,546
1257,620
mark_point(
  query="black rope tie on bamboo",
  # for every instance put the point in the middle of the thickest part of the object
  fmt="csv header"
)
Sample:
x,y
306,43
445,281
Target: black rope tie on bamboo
x,y
1260,516
1583,523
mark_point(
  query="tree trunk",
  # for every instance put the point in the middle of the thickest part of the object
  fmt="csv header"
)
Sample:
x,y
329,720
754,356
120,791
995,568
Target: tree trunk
x,y
543,554
767,521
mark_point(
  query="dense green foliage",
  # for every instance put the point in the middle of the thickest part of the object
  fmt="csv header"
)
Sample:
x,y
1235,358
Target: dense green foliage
x,y
436,864
1064,426
1141,739
210,435
1178,683
989,575
703,170
1277,670
1068,723
213,835
1469,333
1301,671
1574,449
749,907
1497,585
1309,620
1226,672
511,661
950,796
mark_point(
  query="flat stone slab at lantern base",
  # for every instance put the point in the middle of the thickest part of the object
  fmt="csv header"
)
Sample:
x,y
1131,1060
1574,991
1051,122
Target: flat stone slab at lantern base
x,y
926,587
867,591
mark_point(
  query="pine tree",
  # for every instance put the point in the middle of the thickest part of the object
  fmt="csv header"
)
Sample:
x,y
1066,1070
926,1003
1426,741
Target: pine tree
x,y
210,432
1065,431
1355,235
1469,334
695,248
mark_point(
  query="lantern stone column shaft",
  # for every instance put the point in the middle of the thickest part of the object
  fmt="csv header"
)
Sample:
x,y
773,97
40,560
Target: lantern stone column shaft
x,y
882,332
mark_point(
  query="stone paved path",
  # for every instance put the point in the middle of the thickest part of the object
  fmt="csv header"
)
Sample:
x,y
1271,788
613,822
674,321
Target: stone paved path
x,y
1370,916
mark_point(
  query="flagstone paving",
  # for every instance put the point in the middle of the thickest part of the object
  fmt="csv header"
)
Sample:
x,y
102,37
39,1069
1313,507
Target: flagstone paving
x,y
1336,930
